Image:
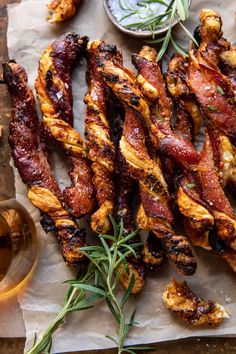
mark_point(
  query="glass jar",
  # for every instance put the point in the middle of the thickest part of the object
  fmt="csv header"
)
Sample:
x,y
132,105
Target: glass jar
x,y
18,246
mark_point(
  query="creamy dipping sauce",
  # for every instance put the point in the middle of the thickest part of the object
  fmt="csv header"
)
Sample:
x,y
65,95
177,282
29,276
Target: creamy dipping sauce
x,y
142,16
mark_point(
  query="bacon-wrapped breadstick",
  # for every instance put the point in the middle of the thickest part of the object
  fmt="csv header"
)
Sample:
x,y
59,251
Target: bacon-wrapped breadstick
x,y
152,254
123,200
212,89
62,10
152,85
54,89
154,213
101,148
190,308
31,161
199,198
198,217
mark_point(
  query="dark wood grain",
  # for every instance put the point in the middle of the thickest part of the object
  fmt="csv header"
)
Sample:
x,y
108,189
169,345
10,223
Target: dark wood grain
x,y
16,345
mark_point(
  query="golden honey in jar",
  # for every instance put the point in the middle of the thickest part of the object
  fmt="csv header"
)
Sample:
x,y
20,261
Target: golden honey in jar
x,y
18,246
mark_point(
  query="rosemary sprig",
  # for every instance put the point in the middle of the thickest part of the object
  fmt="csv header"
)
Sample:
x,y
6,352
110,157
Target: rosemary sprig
x,y
152,20
101,281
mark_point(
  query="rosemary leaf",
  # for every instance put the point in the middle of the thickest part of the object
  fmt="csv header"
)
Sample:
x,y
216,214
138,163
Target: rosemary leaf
x,y
220,90
165,44
181,10
189,34
190,185
99,281
178,48
211,107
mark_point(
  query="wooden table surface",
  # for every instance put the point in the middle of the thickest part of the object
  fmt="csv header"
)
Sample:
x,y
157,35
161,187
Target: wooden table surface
x,y
16,345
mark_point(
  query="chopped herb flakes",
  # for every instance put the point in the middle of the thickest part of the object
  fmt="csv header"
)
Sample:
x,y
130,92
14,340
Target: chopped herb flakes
x,y
220,90
211,107
191,185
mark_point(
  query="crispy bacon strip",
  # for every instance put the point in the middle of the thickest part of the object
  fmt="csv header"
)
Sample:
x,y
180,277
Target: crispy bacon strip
x,y
31,161
62,10
213,194
190,308
212,89
54,89
188,115
152,85
101,148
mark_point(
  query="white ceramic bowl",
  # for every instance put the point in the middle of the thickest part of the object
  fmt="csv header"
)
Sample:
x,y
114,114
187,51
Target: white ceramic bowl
x,y
139,33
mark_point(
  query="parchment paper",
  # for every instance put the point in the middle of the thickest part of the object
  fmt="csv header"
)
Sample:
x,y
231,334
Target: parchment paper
x,y
28,36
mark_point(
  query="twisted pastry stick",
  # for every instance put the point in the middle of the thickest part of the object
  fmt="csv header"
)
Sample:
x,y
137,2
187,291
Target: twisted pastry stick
x,y
54,90
101,148
152,253
212,89
188,115
62,10
31,161
200,203
152,85
154,213
198,217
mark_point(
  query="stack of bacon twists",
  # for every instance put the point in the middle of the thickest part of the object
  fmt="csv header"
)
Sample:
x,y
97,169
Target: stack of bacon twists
x,y
54,90
154,213
131,140
30,158
209,217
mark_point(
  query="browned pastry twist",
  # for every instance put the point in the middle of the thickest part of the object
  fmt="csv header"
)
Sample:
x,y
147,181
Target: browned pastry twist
x,y
152,253
123,202
101,148
152,85
188,115
198,197
212,89
198,217
154,213
190,308
62,10
31,161
54,89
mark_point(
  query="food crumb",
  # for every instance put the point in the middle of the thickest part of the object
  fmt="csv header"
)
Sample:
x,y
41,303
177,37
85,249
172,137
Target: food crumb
x,y
228,299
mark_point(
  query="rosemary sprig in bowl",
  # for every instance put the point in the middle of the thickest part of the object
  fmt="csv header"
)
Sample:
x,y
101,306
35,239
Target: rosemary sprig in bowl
x,y
100,281
154,22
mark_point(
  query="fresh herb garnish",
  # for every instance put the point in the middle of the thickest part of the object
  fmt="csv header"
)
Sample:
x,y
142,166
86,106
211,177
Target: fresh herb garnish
x,y
151,20
100,281
190,185
220,90
211,107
